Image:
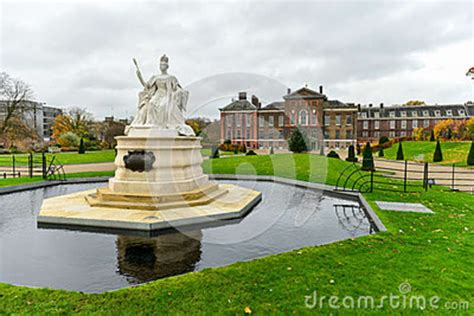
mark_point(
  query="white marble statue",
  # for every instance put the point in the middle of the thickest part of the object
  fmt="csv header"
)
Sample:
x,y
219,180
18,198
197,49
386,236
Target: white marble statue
x,y
161,103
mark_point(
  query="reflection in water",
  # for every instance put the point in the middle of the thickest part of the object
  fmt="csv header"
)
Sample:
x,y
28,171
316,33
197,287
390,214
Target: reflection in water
x,y
145,259
352,219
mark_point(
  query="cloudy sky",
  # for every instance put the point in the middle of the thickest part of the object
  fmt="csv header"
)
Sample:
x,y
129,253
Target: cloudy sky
x,y
79,53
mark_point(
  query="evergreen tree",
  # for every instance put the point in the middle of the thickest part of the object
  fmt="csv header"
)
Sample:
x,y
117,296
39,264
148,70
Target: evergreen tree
x,y
368,159
214,152
400,155
432,136
272,151
470,156
381,154
450,134
438,154
297,142
82,147
359,150
351,154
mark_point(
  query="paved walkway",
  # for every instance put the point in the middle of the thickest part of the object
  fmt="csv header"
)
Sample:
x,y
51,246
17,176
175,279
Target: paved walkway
x,y
90,167
442,175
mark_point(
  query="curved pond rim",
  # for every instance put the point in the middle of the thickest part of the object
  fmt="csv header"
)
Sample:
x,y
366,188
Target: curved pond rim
x,y
326,189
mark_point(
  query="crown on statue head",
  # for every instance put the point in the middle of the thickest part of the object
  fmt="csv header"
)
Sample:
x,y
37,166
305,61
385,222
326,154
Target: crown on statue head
x,y
164,59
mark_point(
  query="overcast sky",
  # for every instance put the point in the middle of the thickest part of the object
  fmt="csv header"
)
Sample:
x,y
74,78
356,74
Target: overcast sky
x,y
79,54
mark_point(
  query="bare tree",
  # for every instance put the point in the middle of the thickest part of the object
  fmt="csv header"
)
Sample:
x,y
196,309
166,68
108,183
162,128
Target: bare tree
x,y
14,97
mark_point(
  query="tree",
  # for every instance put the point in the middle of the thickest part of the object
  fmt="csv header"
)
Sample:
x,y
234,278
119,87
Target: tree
x,y
438,154
443,129
333,154
432,136
297,142
383,140
418,133
214,152
400,155
368,159
15,95
470,156
69,139
82,147
351,154
415,102
76,120
198,124
469,126
381,153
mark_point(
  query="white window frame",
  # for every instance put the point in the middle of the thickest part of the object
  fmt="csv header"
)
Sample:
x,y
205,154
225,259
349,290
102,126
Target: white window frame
x,y
376,124
437,113
449,113
392,124
365,124
340,119
271,121
281,120
391,113
426,113
404,124
426,123
376,114
403,113
414,124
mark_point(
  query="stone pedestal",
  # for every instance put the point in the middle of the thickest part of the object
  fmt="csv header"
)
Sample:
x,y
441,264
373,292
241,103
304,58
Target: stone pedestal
x,y
158,183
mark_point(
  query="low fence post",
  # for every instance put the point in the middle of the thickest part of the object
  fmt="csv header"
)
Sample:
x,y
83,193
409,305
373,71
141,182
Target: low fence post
x,y
43,163
405,177
425,177
30,165
371,181
13,166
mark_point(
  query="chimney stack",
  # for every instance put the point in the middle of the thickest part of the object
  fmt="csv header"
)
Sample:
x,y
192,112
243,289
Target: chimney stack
x,y
370,105
288,91
242,95
255,100
321,89
381,105
358,107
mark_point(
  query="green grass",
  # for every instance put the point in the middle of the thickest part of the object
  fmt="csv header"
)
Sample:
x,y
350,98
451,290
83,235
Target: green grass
x,y
65,158
432,252
24,180
453,152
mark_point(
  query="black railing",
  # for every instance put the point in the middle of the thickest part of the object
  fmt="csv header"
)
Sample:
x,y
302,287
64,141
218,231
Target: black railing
x,y
405,176
30,165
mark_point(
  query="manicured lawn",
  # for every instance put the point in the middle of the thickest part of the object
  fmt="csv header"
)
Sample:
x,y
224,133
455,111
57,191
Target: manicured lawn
x,y
432,252
65,158
24,180
453,152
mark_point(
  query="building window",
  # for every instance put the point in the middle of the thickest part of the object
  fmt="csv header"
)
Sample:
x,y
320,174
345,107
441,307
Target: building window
x,y
392,124
281,121
414,113
414,124
326,120
403,134
404,114
282,135
404,124
449,112
392,134
260,121
248,134
238,134
270,120
377,134
437,113
338,134
238,119
338,119
392,113
314,118
426,123
228,121
229,135
349,119
461,112
349,134
376,114
377,124
426,113
293,118
248,119
365,134
365,125
364,114
303,119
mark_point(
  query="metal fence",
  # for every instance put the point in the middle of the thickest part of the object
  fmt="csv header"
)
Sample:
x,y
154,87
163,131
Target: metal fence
x,y
405,176
30,165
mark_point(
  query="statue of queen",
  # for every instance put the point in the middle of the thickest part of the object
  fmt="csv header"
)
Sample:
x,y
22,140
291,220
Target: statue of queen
x,y
161,103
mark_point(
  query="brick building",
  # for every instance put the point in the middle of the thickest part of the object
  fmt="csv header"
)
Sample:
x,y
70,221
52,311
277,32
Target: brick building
x,y
325,122
400,121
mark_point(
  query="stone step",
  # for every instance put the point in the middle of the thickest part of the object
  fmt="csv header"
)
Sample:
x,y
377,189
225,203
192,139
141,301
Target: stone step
x,y
139,204
104,194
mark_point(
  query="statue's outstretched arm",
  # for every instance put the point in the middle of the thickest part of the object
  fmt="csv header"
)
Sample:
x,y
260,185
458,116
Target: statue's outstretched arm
x,y
139,73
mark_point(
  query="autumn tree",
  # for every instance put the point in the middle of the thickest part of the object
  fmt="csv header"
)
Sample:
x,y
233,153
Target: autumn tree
x,y
198,124
415,102
75,120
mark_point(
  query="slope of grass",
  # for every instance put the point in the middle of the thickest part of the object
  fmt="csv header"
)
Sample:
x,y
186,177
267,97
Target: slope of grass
x,y
453,152
431,252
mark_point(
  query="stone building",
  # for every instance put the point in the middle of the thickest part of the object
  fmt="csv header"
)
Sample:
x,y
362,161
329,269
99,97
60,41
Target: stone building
x,y
328,123
400,121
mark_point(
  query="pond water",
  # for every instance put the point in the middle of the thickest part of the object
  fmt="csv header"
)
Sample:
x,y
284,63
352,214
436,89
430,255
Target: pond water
x,y
287,218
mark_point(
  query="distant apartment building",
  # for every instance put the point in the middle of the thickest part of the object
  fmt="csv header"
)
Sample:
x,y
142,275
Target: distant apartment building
x,y
328,123
400,121
37,115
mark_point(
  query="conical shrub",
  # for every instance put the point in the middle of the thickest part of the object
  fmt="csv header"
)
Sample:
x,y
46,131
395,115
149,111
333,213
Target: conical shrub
x,y
438,154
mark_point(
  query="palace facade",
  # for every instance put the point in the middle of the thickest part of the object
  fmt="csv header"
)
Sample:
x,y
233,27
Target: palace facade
x,y
326,123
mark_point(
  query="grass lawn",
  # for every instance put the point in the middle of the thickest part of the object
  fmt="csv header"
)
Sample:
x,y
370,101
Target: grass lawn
x,y
432,252
453,152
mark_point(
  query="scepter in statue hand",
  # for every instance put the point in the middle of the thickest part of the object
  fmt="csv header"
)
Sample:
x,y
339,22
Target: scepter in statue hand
x,y
138,72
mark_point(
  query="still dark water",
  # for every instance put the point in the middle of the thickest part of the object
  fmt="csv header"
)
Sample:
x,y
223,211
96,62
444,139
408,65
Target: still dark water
x,y
287,218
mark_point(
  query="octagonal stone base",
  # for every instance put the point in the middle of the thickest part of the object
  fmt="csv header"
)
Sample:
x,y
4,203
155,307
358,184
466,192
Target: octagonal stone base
x,y
74,210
